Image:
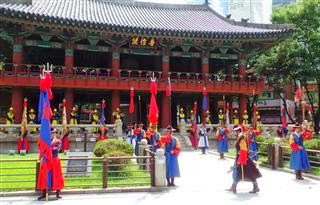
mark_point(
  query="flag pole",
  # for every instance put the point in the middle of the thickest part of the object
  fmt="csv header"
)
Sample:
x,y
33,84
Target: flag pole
x,y
139,108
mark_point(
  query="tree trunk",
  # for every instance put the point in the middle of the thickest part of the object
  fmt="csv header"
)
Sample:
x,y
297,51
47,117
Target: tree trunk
x,y
286,109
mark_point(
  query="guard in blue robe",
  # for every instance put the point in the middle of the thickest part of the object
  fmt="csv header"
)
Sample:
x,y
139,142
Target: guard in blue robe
x,y
130,136
253,146
172,149
299,158
222,135
203,143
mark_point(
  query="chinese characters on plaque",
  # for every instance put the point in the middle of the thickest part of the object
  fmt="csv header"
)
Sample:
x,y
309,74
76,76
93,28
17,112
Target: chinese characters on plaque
x,y
143,42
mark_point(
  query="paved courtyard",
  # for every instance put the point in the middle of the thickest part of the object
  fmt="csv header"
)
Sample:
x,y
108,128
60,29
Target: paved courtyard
x,y
204,180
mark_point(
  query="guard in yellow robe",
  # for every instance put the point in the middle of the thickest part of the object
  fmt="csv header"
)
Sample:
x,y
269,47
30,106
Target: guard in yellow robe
x,y
10,117
55,117
235,117
117,114
245,118
182,116
221,117
258,120
74,116
208,117
32,120
95,120
191,116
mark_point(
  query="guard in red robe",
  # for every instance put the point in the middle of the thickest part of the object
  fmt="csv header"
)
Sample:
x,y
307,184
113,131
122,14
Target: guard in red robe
x,y
244,168
23,143
57,180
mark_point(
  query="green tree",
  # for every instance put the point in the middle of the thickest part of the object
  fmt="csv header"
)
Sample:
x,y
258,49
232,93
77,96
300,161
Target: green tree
x,y
296,59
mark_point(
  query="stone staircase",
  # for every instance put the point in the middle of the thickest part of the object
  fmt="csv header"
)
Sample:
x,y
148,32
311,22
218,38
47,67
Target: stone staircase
x,y
183,143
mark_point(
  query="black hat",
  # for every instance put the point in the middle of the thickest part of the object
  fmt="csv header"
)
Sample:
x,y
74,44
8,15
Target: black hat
x,y
53,130
297,125
170,128
237,127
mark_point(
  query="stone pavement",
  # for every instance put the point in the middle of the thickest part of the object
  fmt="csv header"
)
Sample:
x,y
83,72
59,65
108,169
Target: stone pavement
x,y
204,180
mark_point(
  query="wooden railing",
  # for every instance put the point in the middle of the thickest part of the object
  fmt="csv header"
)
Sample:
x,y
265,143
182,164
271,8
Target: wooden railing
x,y
105,73
103,174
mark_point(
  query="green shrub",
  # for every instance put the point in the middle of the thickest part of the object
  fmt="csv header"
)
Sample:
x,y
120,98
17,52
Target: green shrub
x,y
117,161
316,137
313,144
104,147
270,140
260,139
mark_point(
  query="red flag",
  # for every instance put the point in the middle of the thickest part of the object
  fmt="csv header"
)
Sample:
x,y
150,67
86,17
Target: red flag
x,y
153,109
298,94
131,107
283,118
168,88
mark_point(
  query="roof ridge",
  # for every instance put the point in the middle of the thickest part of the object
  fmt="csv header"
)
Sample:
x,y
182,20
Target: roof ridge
x,y
250,25
138,3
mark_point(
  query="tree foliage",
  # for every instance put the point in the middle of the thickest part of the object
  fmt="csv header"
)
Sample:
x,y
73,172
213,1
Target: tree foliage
x,y
296,59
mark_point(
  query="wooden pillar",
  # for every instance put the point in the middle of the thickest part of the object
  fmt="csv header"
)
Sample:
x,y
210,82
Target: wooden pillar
x,y
17,56
17,104
69,96
229,99
243,100
205,66
115,102
115,60
165,63
242,65
165,111
69,61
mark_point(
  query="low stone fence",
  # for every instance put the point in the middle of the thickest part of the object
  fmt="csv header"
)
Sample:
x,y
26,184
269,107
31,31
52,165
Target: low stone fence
x,y
81,137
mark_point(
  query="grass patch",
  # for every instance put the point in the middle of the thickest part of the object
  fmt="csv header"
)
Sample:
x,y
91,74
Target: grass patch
x,y
94,180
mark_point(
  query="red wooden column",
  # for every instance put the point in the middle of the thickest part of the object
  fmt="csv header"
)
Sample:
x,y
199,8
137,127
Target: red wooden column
x,y
243,100
229,99
165,63
17,56
17,104
115,102
69,57
115,61
69,96
205,66
165,111
242,73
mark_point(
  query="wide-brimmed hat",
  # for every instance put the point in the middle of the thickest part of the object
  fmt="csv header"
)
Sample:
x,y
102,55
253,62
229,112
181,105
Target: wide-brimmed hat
x,y
237,127
53,130
170,128
297,125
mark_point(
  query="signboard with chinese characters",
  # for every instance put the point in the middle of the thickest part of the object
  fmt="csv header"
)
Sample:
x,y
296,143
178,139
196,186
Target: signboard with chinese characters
x,y
143,42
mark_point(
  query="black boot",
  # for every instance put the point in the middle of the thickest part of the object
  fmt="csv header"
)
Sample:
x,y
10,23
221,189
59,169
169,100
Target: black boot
x,y
297,174
168,182
43,196
233,188
203,150
172,182
300,175
221,155
58,194
255,188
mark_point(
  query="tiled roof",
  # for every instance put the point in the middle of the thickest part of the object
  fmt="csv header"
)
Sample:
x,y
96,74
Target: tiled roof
x,y
197,20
